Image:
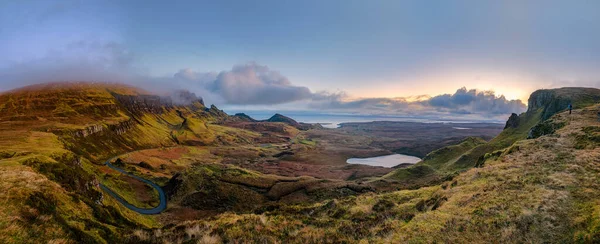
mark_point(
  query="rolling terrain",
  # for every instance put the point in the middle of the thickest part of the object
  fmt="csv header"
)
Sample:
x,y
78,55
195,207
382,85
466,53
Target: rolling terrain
x,y
519,188
234,179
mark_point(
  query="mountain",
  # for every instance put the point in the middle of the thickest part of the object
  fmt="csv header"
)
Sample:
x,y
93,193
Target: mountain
x,y
233,179
283,119
55,139
244,117
278,118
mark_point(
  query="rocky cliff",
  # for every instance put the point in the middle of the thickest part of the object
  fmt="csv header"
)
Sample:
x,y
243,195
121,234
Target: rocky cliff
x,y
144,103
552,101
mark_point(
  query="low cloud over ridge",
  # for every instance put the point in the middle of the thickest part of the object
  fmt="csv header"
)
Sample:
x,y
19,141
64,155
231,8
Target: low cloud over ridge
x,y
248,84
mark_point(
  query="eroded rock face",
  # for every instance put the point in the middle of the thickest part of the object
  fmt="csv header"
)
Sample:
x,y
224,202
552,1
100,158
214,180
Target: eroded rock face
x,y
144,103
173,185
513,121
539,99
216,112
548,101
119,128
90,130
556,100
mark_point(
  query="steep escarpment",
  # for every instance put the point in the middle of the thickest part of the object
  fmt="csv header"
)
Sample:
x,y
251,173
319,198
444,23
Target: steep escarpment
x,y
137,104
551,101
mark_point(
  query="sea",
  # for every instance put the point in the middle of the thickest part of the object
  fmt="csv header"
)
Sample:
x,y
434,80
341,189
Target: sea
x,y
333,120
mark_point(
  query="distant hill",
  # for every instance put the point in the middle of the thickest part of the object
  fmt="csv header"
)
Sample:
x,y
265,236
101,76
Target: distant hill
x,y
244,117
283,119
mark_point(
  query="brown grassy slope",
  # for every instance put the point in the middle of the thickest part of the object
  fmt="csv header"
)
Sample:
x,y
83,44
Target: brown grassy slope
x,y
207,183
52,137
71,103
99,120
538,190
51,196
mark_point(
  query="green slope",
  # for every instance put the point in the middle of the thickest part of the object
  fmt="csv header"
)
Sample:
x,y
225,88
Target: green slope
x,y
448,161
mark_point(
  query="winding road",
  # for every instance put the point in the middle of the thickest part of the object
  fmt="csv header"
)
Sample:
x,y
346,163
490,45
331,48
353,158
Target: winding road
x,y
161,194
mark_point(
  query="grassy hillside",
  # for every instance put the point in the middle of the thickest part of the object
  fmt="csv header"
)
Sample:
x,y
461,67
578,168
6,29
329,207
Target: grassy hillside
x,y
537,190
436,166
53,139
444,163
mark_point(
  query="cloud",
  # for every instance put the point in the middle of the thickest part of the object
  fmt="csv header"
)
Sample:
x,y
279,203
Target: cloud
x,y
474,101
463,101
249,84
77,61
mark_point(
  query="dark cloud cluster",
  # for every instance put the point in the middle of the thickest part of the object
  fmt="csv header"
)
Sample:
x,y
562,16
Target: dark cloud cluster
x,y
463,101
473,101
248,84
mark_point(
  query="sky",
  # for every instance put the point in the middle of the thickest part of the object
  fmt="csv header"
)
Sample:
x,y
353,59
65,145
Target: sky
x,y
379,56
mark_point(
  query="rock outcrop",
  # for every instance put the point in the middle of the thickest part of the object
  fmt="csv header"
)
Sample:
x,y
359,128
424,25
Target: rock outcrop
x,y
119,129
553,101
173,185
546,127
137,104
216,112
87,131
513,121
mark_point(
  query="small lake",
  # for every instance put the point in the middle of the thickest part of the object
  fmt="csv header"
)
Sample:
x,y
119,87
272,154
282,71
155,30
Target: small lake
x,y
387,161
